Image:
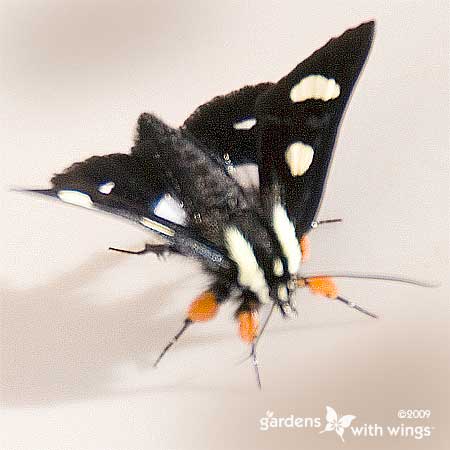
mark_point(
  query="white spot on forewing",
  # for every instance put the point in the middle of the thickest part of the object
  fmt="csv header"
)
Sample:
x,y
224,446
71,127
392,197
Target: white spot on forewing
x,y
106,188
278,267
250,274
75,198
246,124
299,157
170,209
247,176
315,87
156,226
285,231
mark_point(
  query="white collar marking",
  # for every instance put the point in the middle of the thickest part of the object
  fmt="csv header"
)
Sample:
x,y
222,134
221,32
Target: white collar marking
x,y
250,274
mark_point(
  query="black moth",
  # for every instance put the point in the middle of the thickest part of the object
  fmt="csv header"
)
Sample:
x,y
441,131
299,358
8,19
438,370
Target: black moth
x,y
250,241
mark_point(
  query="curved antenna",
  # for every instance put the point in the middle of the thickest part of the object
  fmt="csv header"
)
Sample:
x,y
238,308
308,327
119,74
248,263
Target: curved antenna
x,y
374,276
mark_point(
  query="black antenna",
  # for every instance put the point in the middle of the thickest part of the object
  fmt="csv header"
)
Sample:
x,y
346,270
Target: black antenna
x,y
375,276
186,324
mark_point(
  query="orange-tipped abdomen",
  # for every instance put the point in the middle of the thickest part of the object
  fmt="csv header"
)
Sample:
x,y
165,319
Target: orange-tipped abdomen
x,y
324,286
248,325
203,308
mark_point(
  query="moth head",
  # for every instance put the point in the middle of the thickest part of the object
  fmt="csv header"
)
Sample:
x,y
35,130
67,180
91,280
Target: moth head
x,y
263,266
282,295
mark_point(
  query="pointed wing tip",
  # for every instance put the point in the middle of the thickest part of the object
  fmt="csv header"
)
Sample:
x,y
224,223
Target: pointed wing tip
x,y
47,192
357,41
369,27
370,24
365,30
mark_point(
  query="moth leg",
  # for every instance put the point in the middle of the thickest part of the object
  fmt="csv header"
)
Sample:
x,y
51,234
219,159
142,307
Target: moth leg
x,y
305,247
157,249
248,324
316,223
248,331
326,287
185,326
202,309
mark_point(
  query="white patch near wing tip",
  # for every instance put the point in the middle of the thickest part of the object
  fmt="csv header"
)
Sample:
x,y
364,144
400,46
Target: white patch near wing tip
x,y
250,273
299,157
285,231
245,124
75,198
316,87
107,187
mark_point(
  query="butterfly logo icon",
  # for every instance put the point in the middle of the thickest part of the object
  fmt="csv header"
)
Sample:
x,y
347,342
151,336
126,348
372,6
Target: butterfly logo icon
x,y
333,424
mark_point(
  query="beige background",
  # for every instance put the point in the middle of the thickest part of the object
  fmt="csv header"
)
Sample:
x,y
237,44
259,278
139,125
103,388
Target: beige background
x,y
81,326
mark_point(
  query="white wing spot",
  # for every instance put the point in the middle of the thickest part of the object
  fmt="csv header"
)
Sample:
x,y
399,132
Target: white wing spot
x,y
107,187
75,198
246,124
170,209
299,157
316,87
250,273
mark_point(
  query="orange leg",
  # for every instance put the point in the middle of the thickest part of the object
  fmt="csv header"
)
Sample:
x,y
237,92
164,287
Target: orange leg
x,y
305,247
324,286
248,331
202,309
248,325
